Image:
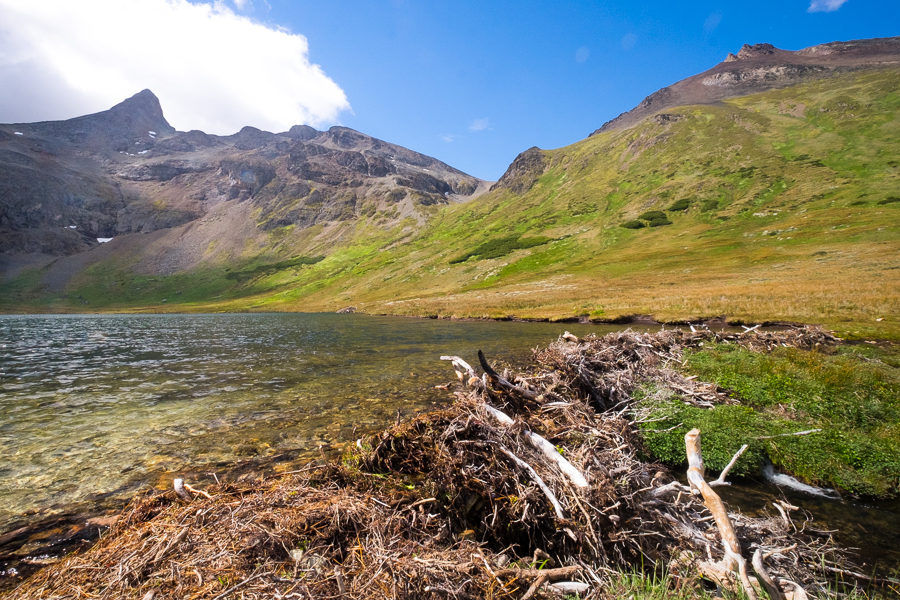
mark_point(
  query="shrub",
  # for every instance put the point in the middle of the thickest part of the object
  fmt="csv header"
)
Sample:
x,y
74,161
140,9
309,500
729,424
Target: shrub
x,y
652,214
633,224
297,261
502,246
657,222
709,204
681,204
889,200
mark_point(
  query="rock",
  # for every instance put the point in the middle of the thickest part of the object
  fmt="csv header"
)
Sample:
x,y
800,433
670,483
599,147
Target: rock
x,y
523,172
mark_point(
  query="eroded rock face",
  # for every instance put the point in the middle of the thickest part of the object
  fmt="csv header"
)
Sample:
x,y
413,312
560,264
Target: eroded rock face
x,y
760,67
156,171
781,74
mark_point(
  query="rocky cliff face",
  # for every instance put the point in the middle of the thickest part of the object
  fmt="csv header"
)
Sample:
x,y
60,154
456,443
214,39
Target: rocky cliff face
x,y
760,67
64,184
524,171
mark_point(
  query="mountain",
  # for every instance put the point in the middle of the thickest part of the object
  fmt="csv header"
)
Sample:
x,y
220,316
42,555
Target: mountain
x,y
126,171
761,67
774,204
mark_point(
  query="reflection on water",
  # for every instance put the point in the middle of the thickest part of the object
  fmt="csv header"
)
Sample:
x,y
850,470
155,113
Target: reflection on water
x,y
870,529
96,405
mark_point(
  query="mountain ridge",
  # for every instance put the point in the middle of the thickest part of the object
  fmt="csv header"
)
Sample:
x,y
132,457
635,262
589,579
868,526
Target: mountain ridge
x,y
760,67
66,184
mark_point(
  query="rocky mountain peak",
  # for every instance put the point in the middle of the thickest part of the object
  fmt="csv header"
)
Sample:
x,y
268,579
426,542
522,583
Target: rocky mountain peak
x,y
752,51
137,120
138,115
523,172
760,67
144,103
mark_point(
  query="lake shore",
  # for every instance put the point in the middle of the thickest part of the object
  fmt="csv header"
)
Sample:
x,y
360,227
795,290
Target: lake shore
x,y
437,502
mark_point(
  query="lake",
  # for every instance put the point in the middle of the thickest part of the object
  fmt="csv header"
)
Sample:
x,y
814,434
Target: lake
x,y
92,407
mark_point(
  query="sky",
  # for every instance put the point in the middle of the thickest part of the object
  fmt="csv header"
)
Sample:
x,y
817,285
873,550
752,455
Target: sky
x,y
472,83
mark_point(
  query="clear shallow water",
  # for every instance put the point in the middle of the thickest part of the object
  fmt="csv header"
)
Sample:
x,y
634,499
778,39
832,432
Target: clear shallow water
x,y
97,406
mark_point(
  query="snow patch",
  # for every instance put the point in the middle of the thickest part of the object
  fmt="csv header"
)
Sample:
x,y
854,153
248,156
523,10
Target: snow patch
x,y
143,152
151,133
71,227
18,133
104,240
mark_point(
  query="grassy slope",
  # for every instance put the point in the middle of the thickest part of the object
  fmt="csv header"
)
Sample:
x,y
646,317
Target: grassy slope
x,y
789,218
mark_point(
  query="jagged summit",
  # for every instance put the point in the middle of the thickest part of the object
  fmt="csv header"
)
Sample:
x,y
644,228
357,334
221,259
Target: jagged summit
x,y
760,67
143,106
139,119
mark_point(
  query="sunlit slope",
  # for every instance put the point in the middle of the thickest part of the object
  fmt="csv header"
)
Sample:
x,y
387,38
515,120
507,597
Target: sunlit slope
x,y
779,205
791,213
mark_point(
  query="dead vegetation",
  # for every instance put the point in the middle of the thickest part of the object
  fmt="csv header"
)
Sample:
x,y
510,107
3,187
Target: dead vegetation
x,y
466,502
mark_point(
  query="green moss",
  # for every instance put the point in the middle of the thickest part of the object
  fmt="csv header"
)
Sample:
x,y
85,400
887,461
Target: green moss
x,y
853,399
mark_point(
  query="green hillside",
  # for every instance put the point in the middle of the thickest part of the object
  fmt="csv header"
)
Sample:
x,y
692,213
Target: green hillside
x,y
781,205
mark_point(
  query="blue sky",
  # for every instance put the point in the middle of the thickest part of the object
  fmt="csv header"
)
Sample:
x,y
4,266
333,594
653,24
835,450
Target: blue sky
x,y
471,83
475,83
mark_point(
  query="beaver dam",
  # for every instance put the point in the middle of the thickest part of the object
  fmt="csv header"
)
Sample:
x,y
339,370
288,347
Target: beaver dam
x,y
529,485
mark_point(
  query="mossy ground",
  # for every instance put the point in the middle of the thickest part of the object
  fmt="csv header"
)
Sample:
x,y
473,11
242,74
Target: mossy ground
x,y
852,395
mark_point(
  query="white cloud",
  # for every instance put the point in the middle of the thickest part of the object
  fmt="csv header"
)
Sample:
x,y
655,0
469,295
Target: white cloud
x,y
582,54
211,68
448,138
712,22
825,5
628,41
479,124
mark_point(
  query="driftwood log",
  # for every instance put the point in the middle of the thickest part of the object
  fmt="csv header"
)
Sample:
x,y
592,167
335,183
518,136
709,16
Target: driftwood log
x,y
730,544
734,559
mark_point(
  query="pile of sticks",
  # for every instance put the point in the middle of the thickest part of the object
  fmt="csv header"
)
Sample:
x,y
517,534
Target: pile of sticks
x,y
528,485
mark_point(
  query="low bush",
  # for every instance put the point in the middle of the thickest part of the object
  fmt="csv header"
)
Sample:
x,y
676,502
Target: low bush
x,y
709,204
498,247
633,224
652,214
681,204
297,261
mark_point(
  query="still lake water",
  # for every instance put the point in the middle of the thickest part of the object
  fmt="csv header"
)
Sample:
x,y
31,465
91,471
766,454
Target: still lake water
x,y
95,406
